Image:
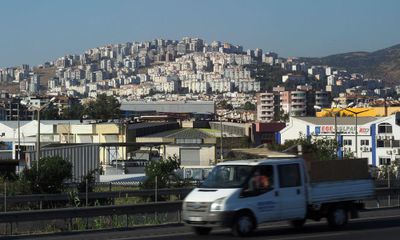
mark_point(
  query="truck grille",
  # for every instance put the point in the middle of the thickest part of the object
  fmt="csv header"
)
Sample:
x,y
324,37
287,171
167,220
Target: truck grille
x,y
197,206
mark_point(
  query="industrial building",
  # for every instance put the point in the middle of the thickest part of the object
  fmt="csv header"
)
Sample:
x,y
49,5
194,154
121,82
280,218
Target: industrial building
x,y
185,109
194,147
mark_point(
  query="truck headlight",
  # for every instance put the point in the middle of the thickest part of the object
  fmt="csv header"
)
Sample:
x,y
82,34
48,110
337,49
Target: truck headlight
x,y
217,205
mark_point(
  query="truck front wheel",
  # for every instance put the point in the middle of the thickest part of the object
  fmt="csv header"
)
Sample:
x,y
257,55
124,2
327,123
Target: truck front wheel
x,y
202,230
243,225
338,217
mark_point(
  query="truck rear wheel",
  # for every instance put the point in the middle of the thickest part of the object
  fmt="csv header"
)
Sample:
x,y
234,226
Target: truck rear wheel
x,y
243,225
202,230
338,217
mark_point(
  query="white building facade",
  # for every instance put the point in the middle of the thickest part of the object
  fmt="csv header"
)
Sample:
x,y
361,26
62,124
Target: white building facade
x,y
378,138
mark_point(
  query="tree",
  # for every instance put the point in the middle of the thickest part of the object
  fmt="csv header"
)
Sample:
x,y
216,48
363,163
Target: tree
x,y
49,177
225,105
248,106
50,113
73,111
90,180
319,148
104,108
164,170
281,116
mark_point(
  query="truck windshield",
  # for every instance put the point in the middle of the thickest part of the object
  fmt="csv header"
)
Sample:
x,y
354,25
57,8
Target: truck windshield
x,y
225,176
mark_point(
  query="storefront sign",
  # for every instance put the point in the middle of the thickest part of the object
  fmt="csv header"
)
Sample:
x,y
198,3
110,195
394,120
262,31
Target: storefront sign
x,y
342,129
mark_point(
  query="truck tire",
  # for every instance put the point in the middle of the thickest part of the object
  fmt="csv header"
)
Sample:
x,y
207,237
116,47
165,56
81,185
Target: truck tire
x,y
202,230
338,217
243,225
298,223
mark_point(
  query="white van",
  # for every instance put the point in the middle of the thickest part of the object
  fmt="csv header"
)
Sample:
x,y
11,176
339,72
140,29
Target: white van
x,y
243,194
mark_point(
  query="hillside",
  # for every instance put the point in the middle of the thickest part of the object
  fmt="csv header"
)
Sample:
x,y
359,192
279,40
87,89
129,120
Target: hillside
x,y
384,64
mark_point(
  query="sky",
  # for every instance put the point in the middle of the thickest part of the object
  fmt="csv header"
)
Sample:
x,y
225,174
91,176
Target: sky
x,y
35,31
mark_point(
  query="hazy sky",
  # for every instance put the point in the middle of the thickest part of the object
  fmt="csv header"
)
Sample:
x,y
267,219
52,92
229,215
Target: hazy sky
x,y
35,31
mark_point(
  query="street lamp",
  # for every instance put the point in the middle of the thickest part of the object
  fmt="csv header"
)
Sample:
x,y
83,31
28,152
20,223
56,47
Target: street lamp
x,y
335,113
221,155
318,108
19,134
356,130
38,110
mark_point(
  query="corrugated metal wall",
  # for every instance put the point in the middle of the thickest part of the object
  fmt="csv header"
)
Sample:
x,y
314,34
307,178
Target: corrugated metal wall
x,y
84,158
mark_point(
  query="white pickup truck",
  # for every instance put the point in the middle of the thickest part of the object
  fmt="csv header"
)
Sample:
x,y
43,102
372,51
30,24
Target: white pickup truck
x,y
242,194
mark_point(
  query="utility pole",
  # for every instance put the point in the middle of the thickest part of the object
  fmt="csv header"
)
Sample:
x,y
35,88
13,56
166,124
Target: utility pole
x,y
38,141
356,126
19,133
221,155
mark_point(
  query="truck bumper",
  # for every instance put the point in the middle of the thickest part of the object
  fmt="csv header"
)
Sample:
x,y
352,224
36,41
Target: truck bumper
x,y
208,219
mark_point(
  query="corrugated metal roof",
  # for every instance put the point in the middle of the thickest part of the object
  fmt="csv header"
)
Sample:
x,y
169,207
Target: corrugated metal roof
x,y
340,120
14,124
233,124
187,133
148,124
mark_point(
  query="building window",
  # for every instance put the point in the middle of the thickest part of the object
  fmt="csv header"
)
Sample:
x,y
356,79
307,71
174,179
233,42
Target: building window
x,y
364,142
347,142
385,128
396,143
383,143
384,161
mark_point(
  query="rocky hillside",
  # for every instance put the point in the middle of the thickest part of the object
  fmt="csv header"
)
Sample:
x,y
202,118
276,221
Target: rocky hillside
x,y
384,64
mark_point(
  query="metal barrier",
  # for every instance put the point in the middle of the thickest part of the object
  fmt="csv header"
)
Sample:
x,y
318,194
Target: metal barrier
x,y
87,215
95,195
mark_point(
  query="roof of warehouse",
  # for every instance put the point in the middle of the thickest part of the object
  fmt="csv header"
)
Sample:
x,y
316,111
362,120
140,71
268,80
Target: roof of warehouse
x,y
14,123
188,133
234,124
148,124
202,107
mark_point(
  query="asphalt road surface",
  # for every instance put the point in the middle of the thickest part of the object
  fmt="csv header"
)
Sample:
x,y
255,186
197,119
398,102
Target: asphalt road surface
x,y
382,225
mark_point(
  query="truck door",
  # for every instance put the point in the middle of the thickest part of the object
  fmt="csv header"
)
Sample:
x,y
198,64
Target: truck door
x,y
291,192
259,194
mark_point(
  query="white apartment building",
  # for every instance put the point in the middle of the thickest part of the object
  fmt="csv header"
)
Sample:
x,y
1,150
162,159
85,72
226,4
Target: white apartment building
x,y
265,107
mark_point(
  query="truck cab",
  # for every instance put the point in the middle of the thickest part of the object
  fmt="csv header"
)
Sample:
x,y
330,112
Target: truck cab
x,y
242,194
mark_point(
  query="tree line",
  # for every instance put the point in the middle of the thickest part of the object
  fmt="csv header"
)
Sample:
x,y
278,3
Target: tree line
x,y
102,108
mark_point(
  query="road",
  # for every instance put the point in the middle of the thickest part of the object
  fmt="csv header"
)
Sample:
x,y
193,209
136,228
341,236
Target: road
x,y
382,224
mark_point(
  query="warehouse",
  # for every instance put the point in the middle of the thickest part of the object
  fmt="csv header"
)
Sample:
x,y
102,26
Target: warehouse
x,y
187,109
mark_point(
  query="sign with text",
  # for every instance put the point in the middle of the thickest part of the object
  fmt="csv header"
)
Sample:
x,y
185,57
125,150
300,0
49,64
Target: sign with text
x,y
341,129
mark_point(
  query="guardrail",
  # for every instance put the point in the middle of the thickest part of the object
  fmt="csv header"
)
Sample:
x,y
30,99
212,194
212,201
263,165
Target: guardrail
x,y
68,214
382,191
96,195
